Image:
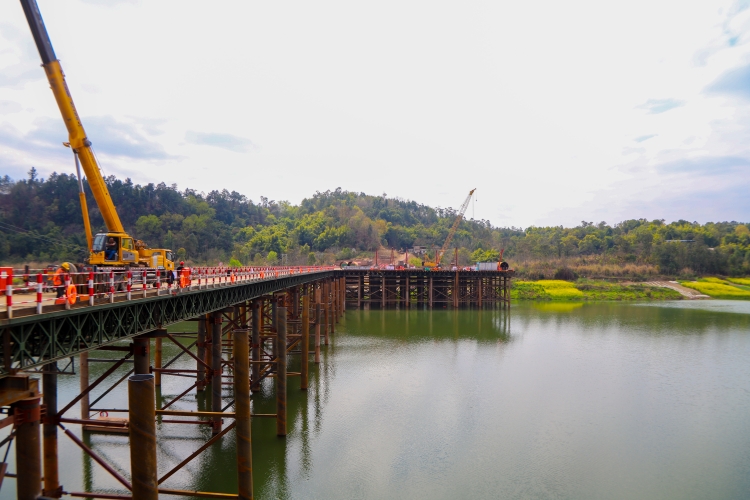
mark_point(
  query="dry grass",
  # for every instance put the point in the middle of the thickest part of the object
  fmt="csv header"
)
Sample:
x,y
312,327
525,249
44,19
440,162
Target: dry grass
x,y
591,267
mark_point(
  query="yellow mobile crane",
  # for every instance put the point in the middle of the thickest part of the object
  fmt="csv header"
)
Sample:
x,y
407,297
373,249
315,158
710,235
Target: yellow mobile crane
x,y
436,265
115,247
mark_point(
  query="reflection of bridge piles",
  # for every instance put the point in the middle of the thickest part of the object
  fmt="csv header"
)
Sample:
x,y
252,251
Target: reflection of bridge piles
x,y
409,288
234,348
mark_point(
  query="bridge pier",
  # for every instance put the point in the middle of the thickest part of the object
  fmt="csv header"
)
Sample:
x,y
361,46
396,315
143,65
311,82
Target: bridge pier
x,y
201,353
242,415
141,355
83,369
216,367
157,361
257,325
49,432
305,349
27,415
281,371
142,429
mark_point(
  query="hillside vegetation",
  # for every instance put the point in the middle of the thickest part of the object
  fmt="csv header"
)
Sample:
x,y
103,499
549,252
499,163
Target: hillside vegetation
x,y
41,222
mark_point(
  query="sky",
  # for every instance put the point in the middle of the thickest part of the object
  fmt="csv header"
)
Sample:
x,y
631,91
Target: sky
x,y
557,112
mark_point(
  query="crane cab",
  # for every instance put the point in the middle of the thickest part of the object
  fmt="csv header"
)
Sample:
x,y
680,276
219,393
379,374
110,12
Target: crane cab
x,y
113,249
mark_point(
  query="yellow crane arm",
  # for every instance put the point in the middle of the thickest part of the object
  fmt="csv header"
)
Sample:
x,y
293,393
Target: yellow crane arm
x,y
77,135
454,228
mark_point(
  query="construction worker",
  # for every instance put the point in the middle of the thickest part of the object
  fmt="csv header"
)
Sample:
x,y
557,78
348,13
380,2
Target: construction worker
x,y
59,279
184,275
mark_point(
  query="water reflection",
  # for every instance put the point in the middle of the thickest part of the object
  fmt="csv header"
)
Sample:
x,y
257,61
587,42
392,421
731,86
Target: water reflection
x,y
410,325
568,400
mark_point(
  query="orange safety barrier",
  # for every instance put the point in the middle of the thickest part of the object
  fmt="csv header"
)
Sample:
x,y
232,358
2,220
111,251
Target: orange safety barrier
x,y
184,277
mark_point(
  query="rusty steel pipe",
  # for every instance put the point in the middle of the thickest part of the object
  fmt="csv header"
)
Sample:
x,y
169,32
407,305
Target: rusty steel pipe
x,y
257,325
142,424
83,361
217,368
49,432
318,317
338,298
274,326
141,355
201,354
343,295
326,319
281,371
28,450
242,415
157,361
305,361
97,458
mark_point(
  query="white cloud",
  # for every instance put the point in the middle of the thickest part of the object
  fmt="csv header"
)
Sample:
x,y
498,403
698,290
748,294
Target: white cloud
x,y
536,104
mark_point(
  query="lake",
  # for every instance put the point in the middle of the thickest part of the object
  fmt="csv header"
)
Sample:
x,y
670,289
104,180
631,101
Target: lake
x,y
549,400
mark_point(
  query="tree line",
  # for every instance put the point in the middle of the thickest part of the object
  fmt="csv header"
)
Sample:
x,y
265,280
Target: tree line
x,y
41,221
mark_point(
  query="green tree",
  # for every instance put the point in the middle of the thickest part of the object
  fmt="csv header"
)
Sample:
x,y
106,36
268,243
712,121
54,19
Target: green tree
x,y
149,229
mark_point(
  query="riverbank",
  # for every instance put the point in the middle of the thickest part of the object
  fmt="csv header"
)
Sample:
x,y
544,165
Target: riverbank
x,y
589,290
717,288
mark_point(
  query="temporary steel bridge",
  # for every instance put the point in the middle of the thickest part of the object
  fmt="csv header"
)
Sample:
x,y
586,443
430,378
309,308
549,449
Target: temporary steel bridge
x,y
249,320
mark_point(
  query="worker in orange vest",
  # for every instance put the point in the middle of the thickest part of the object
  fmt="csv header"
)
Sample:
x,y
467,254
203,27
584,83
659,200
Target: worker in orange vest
x,y
58,279
184,275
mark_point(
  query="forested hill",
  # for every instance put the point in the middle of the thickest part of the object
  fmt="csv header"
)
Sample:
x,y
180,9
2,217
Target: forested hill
x,y
40,221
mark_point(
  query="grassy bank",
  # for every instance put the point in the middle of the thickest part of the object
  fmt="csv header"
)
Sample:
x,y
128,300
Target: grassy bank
x,y
732,289
559,290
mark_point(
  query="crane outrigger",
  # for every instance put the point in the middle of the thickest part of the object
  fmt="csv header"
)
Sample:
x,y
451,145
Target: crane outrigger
x,y
115,248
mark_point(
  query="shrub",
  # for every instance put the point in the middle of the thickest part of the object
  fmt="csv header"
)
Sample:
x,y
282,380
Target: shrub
x,y
565,273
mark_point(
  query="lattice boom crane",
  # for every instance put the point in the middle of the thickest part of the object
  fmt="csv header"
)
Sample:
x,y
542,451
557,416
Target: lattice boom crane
x,y
451,233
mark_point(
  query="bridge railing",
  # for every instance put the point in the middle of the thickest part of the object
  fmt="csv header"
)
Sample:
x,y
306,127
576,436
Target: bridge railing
x,y
34,290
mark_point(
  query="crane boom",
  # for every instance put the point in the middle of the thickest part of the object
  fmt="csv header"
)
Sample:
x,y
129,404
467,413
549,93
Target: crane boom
x,y
454,228
77,135
114,248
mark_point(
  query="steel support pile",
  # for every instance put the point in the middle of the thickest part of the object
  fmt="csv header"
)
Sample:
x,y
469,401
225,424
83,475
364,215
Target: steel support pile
x,y
426,289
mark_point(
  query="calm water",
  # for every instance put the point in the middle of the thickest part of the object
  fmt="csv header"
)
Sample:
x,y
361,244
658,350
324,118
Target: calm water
x,y
579,401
